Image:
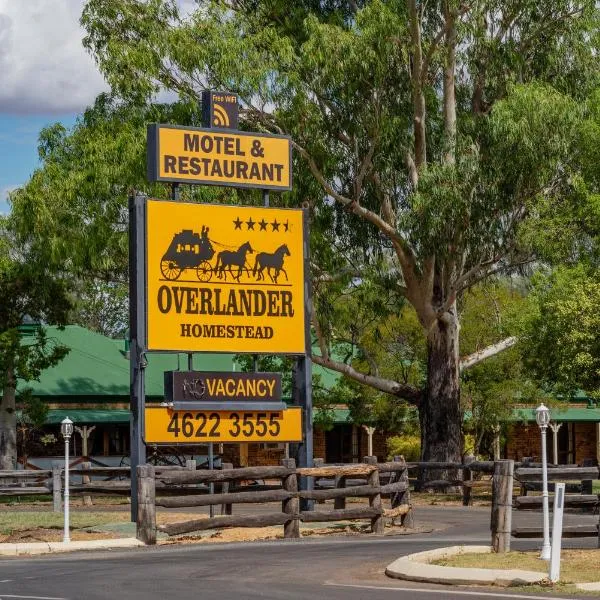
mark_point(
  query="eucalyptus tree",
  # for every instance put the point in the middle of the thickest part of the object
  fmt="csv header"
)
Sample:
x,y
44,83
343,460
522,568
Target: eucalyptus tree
x,y
30,291
428,138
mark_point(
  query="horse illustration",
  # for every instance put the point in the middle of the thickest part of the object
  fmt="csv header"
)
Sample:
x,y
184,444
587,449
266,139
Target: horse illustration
x,y
229,258
274,261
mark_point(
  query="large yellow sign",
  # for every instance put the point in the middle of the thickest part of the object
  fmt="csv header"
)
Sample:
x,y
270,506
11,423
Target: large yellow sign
x,y
209,156
225,278
166,426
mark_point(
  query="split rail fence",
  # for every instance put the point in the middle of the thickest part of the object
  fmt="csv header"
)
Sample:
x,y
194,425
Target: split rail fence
x,y
364,477
579,496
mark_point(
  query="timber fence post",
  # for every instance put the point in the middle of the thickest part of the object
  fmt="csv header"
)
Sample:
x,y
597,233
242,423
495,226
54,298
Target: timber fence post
x,y
501,522
467,476
87,500
146,504
291,506
317,462
377,522
226,509
56,486
340,503
408,519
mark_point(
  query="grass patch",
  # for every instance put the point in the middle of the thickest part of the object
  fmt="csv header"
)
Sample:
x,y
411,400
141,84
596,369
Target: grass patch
x,y
23,520
577,566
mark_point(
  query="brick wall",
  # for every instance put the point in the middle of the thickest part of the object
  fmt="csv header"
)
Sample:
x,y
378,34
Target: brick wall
x,y
319,443
585,442
524,440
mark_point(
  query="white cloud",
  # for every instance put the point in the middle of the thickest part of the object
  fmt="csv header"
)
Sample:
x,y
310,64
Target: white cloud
x,y
4,191
44,67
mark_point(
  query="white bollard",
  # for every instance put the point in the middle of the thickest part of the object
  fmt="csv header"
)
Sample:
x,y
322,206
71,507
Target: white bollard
x,y
557,520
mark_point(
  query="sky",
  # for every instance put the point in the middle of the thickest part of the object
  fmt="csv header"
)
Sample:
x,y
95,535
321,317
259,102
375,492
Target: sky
x,y
47,76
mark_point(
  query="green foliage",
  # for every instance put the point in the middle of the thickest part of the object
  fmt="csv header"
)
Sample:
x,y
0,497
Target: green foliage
x,y
102,307
323,398
34,411
561,336
408,446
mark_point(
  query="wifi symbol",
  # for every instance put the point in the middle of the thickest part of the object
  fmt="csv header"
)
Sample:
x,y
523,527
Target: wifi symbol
x,y
220,116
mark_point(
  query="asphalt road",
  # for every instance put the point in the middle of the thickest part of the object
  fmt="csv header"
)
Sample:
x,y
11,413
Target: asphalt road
x,y
348,568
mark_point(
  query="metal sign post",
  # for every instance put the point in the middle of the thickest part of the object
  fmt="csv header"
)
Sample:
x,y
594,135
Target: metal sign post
x,y
303,377
137,335
557,520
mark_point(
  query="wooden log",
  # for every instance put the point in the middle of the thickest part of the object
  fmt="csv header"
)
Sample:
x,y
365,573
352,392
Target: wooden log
x,y
398,511
291,505
402,498
56,486
228,475
348,514
27,491
340,500
29,474
501,523
105,471
257,488
224,499
397,466
87,500
225,521
571,501
358,491
226,508
146,505
378,521
536,486
394,488
332,471
558,474
568,531
443,483
467,478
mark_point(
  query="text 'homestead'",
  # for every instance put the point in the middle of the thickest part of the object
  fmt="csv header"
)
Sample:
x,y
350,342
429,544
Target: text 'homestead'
x,y
225,278
207,156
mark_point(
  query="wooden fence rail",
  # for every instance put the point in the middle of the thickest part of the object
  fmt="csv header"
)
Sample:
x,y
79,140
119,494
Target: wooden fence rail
x,y
368,486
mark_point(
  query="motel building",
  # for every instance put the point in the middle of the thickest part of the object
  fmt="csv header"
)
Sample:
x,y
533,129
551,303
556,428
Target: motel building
x,y
573,435
91,386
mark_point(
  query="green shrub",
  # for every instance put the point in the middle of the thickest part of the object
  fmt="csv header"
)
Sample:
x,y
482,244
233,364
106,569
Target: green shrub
x,y
408,446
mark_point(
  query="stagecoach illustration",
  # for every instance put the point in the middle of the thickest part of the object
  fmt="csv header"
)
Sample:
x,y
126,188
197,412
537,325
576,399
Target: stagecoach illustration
x,y
190,250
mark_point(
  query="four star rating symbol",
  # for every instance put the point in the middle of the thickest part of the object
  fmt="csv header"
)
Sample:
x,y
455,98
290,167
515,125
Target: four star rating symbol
x,y
262,224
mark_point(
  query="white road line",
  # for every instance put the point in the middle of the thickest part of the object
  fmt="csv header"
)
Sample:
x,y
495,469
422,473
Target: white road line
x,y
2,596
444,591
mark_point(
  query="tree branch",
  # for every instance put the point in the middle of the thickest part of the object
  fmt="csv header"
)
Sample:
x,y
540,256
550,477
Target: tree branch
x,y
418,96
349,203
400,390
473,359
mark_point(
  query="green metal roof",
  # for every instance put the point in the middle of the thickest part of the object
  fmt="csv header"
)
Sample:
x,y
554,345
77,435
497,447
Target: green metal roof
x,y
87,417
559,414
98,366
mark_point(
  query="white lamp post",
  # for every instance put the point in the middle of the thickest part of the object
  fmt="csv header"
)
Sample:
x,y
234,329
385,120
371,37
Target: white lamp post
x,y
542,417
66,428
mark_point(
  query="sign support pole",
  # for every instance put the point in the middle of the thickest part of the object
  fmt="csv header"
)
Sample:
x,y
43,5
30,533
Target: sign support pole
x,y
303,378
137,320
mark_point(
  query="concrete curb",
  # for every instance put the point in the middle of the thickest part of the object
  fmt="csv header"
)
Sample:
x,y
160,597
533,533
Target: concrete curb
x,y
52,547
417,567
